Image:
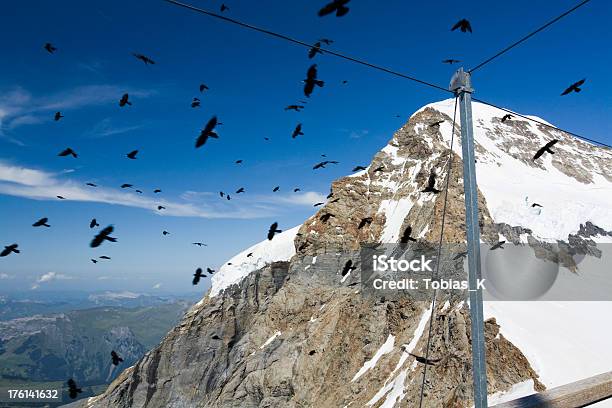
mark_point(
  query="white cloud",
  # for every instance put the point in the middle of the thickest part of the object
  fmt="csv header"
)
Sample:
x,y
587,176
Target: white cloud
x,y
157,286
106,127
40,185
49,277
5,276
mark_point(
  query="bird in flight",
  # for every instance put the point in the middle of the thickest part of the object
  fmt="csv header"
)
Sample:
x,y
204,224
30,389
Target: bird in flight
x,y
160,207
207,132
325,41
318,204
316,49
197,276
500,244
68,152
450,61
203,87
364,221
102,236
94,261
139,191
126,185
535,205
115,357
506,117
93,223
406,236
105,257
460,255
195,103
297,131
358,168
238,161
545,148
431,184
273,230
348,267
240,190
41,223
50,48
210,271
60,197
462,25
311,80
322,164
73,390
295,190
325,217
250,254
144,58
200,244
336,6
132,154
423,360
223,8
275,189
296,108
91,185
379,168
575,87
58,116
436,124
165,233
157,190
124,100
9,249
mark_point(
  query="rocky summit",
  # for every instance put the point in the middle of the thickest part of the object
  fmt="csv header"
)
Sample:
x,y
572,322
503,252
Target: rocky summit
x,y
284,327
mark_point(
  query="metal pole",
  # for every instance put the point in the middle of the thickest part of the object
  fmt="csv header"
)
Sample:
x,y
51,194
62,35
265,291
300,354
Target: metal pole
x,y
462,86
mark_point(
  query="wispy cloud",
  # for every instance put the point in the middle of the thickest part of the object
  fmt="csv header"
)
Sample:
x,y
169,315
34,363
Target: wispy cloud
x,y
5,276
157,286
41,185
106,127
49,277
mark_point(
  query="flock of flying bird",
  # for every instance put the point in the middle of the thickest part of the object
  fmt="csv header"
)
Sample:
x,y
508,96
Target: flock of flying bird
x,y
311,82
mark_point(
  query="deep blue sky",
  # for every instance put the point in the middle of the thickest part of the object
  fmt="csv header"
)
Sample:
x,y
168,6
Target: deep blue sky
x,y
252,77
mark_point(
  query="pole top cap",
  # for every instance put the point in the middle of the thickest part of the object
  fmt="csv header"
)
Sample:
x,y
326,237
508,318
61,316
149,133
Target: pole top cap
x,y
461,82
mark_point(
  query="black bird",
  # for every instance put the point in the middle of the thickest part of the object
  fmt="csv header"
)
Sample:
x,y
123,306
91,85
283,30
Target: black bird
x,y
144,58
222,194
10,249
498,245
311,80
73,390
195,103
105,257
348,267
330,195
50,48
58,116
228,197
297,131
406,236
132,154
358,168
240,190
325,41
460,255
575,87
68,152
223,8
506,117
318,204
116,359
379,168
296,108
207,132
250,254
344,82
322,164
295,190
102,236
463,25
139,191
364,221
124,100
316,49
203,87
423,360
160,207
535,205
325,217
266,138
94,261
41,223
197,276
60,197
238,161
210,271
91,185
436,124
273,230
126,185
157,190
275,189
336,6
93,223
431,184
200,244
165,233
450,61
545,148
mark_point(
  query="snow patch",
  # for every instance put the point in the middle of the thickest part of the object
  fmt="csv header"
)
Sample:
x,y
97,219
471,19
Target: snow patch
x,y
387,347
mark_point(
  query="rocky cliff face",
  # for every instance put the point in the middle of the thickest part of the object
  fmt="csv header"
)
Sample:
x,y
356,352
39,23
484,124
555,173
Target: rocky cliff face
x,y
299,334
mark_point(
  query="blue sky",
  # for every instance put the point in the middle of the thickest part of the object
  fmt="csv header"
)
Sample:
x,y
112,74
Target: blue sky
x,y
252,78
